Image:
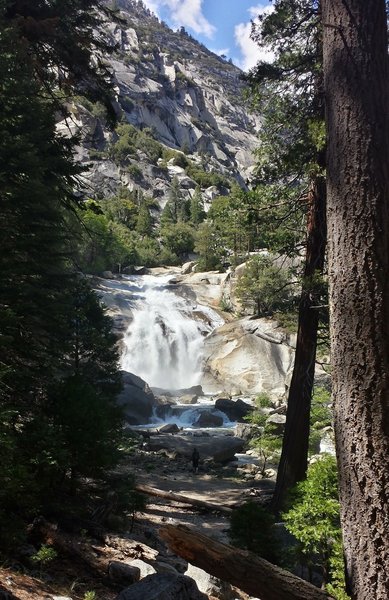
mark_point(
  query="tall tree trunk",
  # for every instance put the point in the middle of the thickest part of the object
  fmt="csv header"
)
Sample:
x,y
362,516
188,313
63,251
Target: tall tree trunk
x,y
294,456
357,101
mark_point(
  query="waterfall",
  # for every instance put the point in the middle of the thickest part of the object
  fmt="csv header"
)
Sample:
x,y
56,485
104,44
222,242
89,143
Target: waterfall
x,y
163,344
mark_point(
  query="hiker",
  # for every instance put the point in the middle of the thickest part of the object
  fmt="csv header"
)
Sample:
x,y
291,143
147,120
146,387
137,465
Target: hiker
x,y
195,460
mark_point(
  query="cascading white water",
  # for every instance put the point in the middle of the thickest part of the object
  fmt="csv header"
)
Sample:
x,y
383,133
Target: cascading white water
x,y
163,343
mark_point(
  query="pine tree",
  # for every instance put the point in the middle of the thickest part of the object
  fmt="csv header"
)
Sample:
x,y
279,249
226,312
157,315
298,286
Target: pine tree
x,y
293,152
46,338
197,214
60,36
144,225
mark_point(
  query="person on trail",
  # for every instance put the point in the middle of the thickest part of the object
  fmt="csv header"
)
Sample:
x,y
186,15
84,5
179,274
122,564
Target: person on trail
x,y
195,460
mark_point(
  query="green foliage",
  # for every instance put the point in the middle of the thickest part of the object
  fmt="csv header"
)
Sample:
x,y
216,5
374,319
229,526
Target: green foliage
x,y
121,208
130,140
314,519
263,400
59,38
197,214
100,246
209,247
56,347
320,417
225,304
125,146
252,528
207,179
149,146
45,555
85,419
268,443
90,595
144,223
264,286
178,238
135,172
148,252
180,160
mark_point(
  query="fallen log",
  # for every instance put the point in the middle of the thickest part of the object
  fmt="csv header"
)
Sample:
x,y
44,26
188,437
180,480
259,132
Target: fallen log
x,y
151,491
89,556
246,571
94,558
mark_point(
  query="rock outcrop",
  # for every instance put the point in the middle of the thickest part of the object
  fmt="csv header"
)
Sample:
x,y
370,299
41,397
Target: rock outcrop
x,y
137,399
248,357
181,96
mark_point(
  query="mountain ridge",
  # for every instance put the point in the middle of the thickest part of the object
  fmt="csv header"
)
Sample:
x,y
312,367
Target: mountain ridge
x,y
181,96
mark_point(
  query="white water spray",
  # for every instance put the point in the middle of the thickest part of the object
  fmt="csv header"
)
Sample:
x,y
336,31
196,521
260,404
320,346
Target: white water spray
x,y
163,344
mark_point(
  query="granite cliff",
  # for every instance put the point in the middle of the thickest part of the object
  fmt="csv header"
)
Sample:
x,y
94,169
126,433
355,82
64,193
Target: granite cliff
x,y
181,107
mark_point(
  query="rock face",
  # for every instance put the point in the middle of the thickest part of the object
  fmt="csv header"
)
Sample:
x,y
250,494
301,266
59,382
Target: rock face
x,y
163,586
180,95
248,356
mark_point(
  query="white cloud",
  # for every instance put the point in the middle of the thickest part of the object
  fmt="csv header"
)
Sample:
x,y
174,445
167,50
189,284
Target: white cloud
x,y
153,5
250,51
221,51
186,13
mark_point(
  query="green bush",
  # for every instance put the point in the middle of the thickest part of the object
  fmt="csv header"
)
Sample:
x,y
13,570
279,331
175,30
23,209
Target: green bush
x,y
263,286
135,172
314,520
252,528
206,179
178,238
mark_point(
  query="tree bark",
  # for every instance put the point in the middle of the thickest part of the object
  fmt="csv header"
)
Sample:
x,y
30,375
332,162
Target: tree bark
x,y
357,100
146,489
294,456
246,571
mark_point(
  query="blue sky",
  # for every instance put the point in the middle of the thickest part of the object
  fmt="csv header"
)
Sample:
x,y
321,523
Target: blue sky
x,y
222,25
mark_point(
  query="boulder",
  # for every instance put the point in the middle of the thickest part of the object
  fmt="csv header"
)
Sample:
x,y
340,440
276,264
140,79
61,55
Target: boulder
x,y
143,567
134,270
235,410
163,567
220,448
210,585
168,428
278,422
137,399
107,275
208,419
187,267
246,431
123,573
163,586
188,399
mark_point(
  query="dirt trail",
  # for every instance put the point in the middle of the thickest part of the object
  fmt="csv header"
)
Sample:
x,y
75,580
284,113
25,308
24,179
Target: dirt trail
x,y
219,485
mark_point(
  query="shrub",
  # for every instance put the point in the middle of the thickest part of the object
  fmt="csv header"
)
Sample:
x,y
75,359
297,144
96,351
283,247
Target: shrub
x,y
314,520
252,528
264,286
